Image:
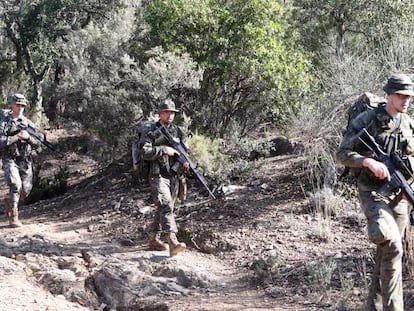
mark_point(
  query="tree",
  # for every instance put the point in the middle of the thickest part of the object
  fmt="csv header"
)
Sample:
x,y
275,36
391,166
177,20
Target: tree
x,y
107,90
337,24
32,29
252,63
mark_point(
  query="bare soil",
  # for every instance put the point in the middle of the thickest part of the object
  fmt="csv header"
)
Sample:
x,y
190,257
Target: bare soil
x,y
264,241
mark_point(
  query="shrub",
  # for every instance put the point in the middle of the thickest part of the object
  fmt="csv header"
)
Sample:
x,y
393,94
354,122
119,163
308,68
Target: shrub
x,y
320,276
214,158
267,268
47,187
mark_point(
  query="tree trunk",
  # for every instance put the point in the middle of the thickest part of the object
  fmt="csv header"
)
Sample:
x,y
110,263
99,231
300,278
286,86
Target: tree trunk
x,y
37,108
340,40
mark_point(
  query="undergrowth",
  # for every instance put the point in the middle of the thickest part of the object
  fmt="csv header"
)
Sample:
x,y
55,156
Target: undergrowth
x,y
49,186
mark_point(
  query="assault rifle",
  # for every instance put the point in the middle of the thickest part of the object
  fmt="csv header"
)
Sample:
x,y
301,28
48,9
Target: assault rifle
x,y
397,168
32,132
183,157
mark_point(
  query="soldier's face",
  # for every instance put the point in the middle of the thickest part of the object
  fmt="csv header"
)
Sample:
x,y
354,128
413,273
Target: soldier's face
x,y
167,116
17,109
399,103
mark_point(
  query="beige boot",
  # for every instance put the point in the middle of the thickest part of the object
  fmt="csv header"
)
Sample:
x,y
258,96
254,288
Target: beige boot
x,y
14,221
155,242
175,246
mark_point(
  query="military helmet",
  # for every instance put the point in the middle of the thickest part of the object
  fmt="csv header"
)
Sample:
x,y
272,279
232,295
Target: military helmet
x,y
399,84
169,105
19,99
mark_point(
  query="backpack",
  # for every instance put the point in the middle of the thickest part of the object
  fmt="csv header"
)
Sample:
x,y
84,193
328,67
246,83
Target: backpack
x,y
4,113
140,166
366,101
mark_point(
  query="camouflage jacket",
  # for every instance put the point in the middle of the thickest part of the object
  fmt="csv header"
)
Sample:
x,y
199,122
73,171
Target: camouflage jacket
x,y
153,149
10,145
384,130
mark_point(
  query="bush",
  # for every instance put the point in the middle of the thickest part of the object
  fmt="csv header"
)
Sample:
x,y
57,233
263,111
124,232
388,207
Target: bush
x,y
266,269
207,153
320,276
217,160
47,187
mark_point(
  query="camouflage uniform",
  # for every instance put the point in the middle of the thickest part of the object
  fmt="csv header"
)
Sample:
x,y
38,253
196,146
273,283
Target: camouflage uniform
x,y
386,220
164,172
163,180
17,160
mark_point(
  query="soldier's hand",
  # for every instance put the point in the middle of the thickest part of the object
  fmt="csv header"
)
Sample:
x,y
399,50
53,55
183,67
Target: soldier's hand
x,y
170,151
377,168
23,135
186,166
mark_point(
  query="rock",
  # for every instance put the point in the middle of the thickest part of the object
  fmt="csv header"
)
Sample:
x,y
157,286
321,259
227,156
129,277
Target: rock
x,y
211,243
118,282
5,249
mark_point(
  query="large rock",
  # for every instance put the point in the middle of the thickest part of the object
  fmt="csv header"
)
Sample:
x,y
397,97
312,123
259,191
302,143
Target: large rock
x,y
20,292
123,284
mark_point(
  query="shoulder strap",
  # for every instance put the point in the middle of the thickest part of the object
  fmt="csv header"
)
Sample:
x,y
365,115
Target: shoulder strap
x,y
392,141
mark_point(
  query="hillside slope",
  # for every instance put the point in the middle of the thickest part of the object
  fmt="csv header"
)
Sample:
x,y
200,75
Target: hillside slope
x,y
260,246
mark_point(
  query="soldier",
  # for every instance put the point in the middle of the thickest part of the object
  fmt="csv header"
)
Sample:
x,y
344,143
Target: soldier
x,y
392,129
16,147
164,180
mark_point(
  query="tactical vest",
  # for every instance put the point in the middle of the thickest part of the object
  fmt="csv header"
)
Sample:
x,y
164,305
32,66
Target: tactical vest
x,y
167,162
387,131
391,135
164,165
19,149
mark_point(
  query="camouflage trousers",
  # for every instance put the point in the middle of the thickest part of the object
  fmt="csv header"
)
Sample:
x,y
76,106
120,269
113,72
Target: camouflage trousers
x,y
386,227
164,193
19,177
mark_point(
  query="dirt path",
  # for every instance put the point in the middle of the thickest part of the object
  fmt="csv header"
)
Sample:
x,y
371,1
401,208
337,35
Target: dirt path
x,y
267,219
231,293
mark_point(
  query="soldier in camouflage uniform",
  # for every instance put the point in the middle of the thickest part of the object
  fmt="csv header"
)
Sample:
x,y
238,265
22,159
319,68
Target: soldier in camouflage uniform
x,y
164,179
16,147
392,129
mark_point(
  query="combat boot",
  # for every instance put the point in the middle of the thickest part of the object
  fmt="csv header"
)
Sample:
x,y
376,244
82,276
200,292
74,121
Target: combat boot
x,y
175,246
155,242
14,221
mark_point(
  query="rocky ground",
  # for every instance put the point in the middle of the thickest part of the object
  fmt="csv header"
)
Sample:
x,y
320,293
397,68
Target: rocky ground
x,y
267,244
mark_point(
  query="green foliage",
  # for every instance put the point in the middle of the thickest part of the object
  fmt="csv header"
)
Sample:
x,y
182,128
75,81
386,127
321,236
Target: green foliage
x,y
237,171
350,25
322,117
347,287
220,161
168,74
320,276
32,30
228,65
207,153
107,84
253,64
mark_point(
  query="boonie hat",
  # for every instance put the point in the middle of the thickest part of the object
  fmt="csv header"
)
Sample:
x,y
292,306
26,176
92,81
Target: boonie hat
x,y
169,105
399,84
19,99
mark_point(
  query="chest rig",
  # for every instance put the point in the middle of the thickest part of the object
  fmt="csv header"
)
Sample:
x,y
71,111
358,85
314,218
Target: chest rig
x,y
394,135
20,149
